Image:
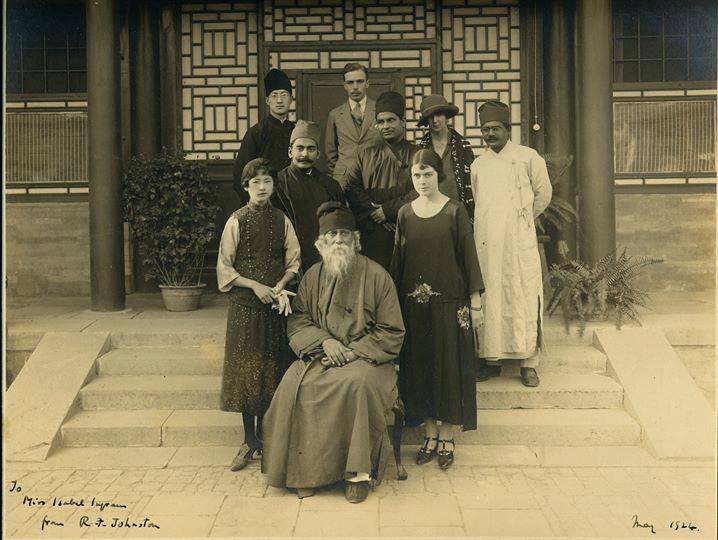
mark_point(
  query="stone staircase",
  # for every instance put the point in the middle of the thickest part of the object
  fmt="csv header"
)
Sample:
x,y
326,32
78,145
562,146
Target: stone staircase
x,y
155,391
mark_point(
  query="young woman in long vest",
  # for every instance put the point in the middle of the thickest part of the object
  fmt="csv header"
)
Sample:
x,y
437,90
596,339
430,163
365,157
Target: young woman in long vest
x,y
258,256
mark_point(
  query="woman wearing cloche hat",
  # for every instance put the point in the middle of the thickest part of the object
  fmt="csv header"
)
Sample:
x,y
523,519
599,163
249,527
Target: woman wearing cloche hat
x,y
454,150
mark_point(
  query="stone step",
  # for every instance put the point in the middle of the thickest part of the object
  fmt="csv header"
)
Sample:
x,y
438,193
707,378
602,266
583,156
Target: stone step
x,y
204,360
152,392
115,428
218,428
192,392
207,360
188,332
556,391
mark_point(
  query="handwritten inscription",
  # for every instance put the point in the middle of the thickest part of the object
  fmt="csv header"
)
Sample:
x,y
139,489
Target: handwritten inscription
x,y
673,525
678,525
646,525
144,523
70,501
91,503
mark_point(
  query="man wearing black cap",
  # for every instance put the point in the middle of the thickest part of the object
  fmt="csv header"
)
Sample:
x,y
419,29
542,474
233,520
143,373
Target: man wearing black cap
x,y
511,187
270,137
327,420
379,181
301,189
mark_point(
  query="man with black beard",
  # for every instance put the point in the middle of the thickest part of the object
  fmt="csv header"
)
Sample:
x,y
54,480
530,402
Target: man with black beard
x,y
301,189
327,420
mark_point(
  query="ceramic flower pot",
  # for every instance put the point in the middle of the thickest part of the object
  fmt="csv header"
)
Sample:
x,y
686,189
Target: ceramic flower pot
x,y
184,298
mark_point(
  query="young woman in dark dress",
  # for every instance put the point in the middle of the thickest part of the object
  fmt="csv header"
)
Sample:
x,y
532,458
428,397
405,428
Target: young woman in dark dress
x,y
258,256
437,274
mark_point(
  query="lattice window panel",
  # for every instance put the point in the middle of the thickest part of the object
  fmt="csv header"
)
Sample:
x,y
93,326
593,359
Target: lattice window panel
x,y
664,137
481,55
338,20
419,57
220,98
415,88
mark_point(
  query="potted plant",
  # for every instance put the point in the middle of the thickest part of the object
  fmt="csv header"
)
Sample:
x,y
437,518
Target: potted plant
x,y
591,292
171,208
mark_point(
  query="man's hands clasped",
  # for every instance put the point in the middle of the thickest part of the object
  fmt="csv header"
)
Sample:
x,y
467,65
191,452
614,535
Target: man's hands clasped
x,y
337,355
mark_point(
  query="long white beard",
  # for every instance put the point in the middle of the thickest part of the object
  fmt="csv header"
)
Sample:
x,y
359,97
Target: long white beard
x,y
337,259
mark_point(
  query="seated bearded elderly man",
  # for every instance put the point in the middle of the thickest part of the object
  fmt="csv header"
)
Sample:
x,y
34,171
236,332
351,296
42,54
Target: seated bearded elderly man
x,y
327,420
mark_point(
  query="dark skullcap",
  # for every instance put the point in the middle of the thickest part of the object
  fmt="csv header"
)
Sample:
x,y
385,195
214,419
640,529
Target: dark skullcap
x,y
390,102
276,79
494,111
334,215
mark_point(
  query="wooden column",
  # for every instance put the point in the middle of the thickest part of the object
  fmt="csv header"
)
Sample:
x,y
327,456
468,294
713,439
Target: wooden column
x,y
170,87
104,156
597,218
559,118
145,87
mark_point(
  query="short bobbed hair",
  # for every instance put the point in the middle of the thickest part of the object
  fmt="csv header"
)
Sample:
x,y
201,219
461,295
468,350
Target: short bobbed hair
x,y
355,66
255,168
426,157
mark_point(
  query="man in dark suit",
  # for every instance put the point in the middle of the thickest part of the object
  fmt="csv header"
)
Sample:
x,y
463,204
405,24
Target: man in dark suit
x,y
351,124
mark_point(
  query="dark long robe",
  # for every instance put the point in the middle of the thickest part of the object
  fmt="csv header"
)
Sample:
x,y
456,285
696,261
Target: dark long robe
x,y
381,175
299,194
268,139
324,424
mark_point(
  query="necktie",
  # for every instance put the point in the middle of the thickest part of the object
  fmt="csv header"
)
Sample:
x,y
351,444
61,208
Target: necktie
x,y
357,116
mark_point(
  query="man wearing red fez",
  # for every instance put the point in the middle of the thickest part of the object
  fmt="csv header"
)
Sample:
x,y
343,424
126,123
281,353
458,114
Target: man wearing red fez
x,y
511,188
379,181
327,420
270,137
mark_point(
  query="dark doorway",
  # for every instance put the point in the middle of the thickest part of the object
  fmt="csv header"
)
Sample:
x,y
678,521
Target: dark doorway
x,y
319,91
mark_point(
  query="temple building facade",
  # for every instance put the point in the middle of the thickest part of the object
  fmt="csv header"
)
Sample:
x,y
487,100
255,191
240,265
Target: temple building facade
x,y
622,92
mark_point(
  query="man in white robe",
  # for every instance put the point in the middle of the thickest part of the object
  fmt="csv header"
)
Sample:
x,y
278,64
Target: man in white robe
x,y
511,187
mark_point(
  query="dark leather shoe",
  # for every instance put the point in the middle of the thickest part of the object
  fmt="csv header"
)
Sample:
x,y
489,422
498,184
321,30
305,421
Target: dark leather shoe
x,y
425,455
243,457
356,492
486,372
446,457
529,377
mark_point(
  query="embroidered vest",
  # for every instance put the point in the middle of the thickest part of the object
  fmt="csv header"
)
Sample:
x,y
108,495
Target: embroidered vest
x,y
260,253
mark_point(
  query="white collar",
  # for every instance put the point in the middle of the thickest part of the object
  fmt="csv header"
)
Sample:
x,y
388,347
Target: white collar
x,y
505,151
362,104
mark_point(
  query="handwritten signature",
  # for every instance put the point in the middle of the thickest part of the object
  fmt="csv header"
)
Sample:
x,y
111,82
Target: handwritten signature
x,y
81,502
674,525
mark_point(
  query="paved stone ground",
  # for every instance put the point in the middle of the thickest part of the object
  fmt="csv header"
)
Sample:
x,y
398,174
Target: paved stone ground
x,y
468,500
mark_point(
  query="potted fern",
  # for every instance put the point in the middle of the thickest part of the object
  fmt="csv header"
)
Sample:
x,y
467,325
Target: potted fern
x,y
171,208
592,292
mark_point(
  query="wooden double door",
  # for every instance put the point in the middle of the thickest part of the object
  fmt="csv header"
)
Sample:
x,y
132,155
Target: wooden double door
x,y
319,91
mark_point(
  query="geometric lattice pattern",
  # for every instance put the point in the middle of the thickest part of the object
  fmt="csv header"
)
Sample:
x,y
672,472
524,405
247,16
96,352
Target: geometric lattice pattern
x,y
374,58
480,44
338,20
480,53
219,77
415,88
